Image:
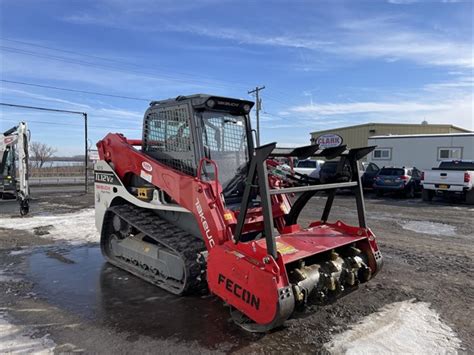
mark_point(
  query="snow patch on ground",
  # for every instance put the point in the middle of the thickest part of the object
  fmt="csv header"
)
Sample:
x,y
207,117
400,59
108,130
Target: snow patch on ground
x,y
20,252
5,277
18,340
432,228
77,227
398,328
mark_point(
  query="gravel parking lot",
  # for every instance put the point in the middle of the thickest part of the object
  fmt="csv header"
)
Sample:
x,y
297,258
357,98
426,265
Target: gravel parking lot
x,y
57,293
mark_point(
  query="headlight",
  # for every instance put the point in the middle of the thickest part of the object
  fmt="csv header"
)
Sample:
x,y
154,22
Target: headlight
x,y
210,103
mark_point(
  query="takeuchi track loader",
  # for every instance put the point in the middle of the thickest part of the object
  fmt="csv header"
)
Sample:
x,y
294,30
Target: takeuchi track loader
x,y
192,206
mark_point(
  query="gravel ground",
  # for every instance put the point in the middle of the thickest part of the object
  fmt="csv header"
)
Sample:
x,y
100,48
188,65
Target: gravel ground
x,y
63,293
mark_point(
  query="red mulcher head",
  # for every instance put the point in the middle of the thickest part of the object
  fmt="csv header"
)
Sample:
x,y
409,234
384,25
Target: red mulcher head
x,y
264,280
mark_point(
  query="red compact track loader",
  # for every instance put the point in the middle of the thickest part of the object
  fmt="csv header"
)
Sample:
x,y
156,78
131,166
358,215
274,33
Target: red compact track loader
x,y
193,206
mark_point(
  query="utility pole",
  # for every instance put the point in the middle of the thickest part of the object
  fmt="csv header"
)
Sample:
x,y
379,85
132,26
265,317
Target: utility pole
x,y
257,109
86,158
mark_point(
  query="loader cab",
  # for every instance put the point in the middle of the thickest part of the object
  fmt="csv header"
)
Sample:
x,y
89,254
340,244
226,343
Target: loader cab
x,y
181,132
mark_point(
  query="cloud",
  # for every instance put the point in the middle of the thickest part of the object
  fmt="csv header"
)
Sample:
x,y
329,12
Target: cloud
x,y
422,48
243,36
139,15
388,37
329,109
143,81
447,102
384,37
458,111
462,83
31,95
402,2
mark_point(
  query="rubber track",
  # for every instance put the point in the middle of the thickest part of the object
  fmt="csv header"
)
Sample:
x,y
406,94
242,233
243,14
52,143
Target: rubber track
x,y
171,237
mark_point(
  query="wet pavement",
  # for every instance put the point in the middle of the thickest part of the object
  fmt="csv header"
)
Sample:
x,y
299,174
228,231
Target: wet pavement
x,y
69,293
80,281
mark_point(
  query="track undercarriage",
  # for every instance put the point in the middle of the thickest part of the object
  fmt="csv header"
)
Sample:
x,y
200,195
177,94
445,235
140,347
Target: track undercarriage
x,y
138,241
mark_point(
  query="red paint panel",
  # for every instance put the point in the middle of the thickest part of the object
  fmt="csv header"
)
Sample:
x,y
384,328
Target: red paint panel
x,y
238,281
312,241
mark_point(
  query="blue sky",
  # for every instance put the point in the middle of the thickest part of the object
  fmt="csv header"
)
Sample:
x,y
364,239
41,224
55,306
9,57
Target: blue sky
x,y
325,64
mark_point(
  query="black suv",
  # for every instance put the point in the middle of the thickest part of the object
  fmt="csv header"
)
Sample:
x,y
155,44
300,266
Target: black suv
x,y
328,173
370,171
394,179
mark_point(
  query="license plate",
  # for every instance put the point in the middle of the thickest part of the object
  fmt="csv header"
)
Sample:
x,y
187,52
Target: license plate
x,y
388,181
443,186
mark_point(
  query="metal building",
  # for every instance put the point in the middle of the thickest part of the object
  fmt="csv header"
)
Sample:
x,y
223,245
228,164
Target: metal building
x,y
423,151
357,136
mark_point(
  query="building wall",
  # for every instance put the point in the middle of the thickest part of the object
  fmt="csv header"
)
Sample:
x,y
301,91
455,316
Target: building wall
x,y
420,152
357,136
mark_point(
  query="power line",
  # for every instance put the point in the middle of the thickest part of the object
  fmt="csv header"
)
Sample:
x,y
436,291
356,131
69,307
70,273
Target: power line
x,y
66,51
105,59
193,79
42,108
72,124
75,90
274,115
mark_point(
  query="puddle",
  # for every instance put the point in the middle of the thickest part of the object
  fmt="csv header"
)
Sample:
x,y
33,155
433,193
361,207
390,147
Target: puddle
x,y
82,283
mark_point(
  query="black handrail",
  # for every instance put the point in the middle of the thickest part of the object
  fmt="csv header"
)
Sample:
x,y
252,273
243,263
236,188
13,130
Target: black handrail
x,y
258,171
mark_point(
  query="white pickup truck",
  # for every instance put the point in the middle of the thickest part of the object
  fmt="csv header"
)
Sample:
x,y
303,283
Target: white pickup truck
x,y
309,167
450,177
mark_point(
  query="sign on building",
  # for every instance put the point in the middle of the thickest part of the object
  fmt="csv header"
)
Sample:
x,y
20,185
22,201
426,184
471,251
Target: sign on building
x,y
329,140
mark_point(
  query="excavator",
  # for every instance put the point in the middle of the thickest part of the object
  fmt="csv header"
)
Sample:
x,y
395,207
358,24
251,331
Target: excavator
x,y
193,207
13,151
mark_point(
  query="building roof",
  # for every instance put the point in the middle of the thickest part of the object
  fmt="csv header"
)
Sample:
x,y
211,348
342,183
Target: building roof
x,y
393,124
388,136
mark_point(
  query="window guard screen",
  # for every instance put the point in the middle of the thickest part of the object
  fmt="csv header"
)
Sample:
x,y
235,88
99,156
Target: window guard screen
x,y
167,137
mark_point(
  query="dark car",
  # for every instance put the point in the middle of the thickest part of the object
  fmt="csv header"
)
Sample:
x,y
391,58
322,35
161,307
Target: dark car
x,y
328,173
394,179
368,176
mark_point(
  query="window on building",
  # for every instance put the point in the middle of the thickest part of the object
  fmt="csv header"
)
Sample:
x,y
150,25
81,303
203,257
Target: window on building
x,y
449,153
382,154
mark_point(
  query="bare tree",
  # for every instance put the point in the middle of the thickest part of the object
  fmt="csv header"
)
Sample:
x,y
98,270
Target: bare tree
x,y
41,153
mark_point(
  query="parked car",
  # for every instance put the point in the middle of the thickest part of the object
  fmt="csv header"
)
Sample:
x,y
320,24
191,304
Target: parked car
x,y
453,177
370,171
328,173
395,179
309,167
